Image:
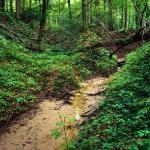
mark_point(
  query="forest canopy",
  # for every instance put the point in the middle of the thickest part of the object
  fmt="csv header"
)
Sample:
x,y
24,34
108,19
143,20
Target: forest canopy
x,y
115,14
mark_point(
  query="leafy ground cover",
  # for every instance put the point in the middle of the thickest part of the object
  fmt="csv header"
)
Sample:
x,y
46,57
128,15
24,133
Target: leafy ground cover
x,y
123,120
23,73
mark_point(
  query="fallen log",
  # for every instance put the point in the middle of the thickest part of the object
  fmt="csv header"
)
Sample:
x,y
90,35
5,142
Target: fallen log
x,y
141,35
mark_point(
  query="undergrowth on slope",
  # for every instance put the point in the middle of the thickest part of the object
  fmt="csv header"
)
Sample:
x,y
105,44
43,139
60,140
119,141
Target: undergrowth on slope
x,y
123,120
23,74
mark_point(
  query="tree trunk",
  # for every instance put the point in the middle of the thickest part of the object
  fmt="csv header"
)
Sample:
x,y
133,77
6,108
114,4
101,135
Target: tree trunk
x,y
83,14
97,7
6,3
122,19
40,8
43,21
89,11
126,16
18,9
23,5
137,15
104,9
59,7
69,7
110,15
139,11
11,6
2,5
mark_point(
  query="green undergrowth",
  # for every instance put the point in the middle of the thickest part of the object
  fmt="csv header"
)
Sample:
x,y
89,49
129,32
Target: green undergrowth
x,y
24,74
123,120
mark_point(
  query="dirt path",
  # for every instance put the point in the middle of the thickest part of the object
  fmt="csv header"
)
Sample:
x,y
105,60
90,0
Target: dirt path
x,y
33,132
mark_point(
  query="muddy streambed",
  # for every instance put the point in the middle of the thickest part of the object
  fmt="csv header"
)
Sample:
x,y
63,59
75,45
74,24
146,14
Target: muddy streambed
x,y
32,132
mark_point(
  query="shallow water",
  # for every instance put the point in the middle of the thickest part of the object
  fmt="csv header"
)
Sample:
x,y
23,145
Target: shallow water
x,y
32,132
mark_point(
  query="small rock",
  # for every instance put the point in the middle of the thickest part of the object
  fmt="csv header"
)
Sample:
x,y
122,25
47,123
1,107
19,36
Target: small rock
x,y
22,124
23,144
82,121
28,142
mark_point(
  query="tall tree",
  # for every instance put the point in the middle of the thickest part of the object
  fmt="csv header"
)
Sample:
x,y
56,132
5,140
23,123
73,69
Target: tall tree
x,y
104,10
140,9
11,6
110,15
18,9
23,5
43,20
126,16
6,5
89,11
69,7
2,5
83,14
97,9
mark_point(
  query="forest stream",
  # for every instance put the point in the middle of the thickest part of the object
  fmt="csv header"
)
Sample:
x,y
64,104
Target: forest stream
x,y
32,132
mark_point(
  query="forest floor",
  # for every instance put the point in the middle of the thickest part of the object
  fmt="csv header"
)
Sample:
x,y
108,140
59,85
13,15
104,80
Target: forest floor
x,y
32,130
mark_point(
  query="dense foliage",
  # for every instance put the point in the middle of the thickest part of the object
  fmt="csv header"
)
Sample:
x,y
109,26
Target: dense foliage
x,y
79,15
23,73
123,120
